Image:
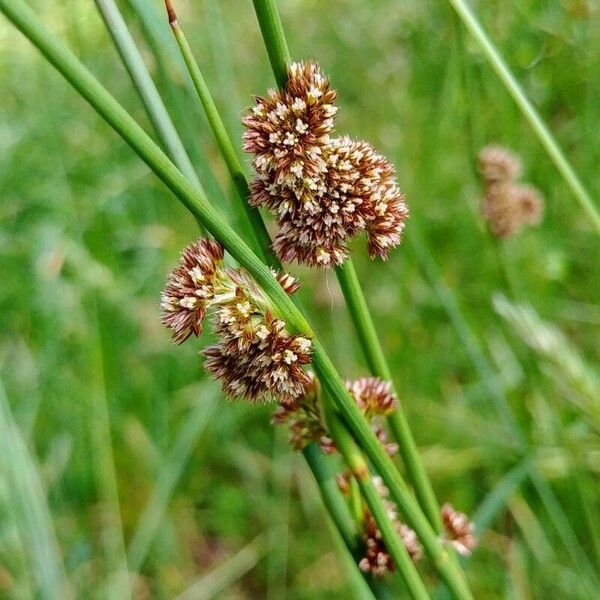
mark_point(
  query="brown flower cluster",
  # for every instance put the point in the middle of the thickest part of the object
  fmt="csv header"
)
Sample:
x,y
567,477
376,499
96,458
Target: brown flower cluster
x,y
255,357
304,421
303,417
460,532
376,559
507,204
322,190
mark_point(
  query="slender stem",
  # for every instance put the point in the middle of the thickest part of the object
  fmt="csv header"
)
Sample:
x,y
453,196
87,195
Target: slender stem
x,y
377,362
134,63
275,40
332,498
260,233
355,460
529,112
192,198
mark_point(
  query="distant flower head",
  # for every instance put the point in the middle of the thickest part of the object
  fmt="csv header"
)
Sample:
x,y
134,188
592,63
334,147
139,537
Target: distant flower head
x,y
190,286
374,396
530,202
498,164
460,532
507,205
501,210
288,130
255,357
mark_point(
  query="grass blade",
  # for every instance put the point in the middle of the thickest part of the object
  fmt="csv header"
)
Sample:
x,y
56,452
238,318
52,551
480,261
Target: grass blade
x,y
28,506
166,480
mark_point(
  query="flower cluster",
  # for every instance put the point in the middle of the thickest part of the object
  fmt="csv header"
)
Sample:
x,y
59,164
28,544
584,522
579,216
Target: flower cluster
x,y
323,190
376,559
304,420
303,417
255,356
507,205
459,530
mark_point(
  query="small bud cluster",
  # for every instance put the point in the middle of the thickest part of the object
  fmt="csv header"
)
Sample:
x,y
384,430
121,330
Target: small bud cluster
x,y
507,204
460,532
376,559
304,421
256,357
375,398
303,418
322,190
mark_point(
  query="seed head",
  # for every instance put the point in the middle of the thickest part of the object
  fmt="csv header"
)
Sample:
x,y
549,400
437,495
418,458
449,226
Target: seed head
x,y
288,130
304,421
322,190
255,356
373,396
497,164
501,210
530,203
190,287
459,530
376,559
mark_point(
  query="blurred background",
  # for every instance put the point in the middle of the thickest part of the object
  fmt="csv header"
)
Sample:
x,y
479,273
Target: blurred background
x,y
116,449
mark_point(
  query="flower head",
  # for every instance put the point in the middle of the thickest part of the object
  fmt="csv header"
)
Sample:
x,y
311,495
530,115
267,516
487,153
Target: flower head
x,y
377,559
374,396
507,205
459,530
304,421
190,286
322,190
498,164
255,357
288,130
501,210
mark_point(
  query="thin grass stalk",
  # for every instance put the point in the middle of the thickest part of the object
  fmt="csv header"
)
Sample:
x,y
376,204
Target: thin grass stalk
x,y
529,112
161,43
114,114
355,460
378,365
157,112
227,149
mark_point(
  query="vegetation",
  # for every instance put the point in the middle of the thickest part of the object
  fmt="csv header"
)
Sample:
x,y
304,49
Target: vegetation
x,y
120,455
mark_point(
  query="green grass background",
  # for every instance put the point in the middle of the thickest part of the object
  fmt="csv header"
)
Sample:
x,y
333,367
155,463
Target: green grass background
x,y
113,442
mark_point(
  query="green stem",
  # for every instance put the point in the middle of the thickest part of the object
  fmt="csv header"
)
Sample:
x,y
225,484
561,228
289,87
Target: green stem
x,y
260,233
332,498
196,202
516,91
157,112
353,457
365,328
279,56
271,28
